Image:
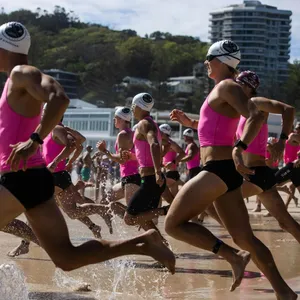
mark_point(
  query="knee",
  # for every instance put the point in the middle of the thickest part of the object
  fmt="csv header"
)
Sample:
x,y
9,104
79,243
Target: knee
x,y
129,219
244,241
170,226
64,262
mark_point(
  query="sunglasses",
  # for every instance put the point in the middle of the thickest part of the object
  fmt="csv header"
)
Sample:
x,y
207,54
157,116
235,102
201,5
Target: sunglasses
x,y
210,57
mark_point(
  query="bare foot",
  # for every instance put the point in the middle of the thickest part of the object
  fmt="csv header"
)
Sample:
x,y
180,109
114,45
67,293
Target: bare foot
x,y
84,287
155,247
267,214
238,269
23,248
257,209
96,230
290,296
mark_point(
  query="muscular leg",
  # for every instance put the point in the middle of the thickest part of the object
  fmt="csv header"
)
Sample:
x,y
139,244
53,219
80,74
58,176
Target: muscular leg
x,y
192,199
49,226
234,215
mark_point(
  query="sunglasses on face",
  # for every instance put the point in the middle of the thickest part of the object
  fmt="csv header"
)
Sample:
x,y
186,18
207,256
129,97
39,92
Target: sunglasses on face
x,y
210,57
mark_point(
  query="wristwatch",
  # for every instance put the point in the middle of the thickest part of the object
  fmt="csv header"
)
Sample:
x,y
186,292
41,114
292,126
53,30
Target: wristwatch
x,y
36,138
241,144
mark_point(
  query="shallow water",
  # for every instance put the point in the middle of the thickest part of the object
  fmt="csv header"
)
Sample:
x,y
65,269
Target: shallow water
x,y
199,274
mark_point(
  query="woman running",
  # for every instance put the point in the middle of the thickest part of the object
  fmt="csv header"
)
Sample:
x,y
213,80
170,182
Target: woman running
x,y
220,179
172,155
130,177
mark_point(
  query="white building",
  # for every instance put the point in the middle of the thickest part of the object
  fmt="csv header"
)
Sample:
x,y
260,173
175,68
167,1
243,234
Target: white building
x,y
190,83
98,124
263,33
175,87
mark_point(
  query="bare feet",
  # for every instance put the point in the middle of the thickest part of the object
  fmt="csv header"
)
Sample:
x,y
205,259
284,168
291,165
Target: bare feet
x,y
155,247
238,269
257,208
96,230
23,248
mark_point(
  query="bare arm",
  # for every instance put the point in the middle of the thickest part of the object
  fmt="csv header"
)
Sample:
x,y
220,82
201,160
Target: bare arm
x,y
75,155
180,153
272,106
149,132
45,89
80,139
193,150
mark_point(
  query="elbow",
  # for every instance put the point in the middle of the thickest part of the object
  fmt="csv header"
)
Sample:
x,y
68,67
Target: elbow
x,y
290,111
257,116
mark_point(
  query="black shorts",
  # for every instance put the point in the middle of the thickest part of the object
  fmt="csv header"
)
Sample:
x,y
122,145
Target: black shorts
x,y
62,179
225,169
193,172
135,179
264,177
288,173
31,187
147,197
173,175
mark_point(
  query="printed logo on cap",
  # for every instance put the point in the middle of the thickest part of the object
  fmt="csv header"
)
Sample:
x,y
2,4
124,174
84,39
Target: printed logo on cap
x,y
126,110
147,98
230,47
15,31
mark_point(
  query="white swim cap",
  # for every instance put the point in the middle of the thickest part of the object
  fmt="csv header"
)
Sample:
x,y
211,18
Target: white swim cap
x,y
165,128
124,113
143,101
226,51
270,140
14,37
189,132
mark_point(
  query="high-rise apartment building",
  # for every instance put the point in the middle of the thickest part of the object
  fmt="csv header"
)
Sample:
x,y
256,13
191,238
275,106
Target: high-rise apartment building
x,y
263,34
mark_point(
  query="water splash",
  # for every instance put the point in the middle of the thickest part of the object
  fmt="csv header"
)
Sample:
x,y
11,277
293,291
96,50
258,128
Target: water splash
x,y
12,283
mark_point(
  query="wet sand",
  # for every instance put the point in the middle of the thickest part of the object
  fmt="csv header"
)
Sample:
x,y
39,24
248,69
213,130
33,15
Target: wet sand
x,y
199,274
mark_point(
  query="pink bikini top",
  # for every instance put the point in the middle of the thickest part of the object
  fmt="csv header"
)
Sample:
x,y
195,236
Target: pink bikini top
x,y
259,144
142,148
131,166
215,129
15,128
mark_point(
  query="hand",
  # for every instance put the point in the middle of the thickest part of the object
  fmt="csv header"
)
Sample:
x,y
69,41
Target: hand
x,y
170,163
159,178
52,166
125,155
297,163
276,150
20,153
101,146
180,117
239,164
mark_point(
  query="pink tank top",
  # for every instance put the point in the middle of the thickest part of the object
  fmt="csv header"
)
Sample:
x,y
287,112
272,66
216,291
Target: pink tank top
x,y
259,144
15,128
195,161
130,167
268,156
290,152
215,129
169,157
142,148
50,150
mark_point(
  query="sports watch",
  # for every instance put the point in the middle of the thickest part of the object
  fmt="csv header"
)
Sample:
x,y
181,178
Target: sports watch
x,y
36,138
241,144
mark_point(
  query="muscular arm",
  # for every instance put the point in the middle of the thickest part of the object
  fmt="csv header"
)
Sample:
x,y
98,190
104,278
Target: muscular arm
x,y
193,150
180,153
272,106
149,131
45,89
124,143
80,139
233,94
61,135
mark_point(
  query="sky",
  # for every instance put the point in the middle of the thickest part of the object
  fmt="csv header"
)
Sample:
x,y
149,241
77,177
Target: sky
x,y
190,17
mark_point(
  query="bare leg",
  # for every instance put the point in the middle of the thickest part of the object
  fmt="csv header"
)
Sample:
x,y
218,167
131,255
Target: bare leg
x,y
95,229
192,199
234,215
50,228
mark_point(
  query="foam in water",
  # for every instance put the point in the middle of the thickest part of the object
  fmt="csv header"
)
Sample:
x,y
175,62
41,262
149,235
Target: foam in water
x,y
118,278
12,283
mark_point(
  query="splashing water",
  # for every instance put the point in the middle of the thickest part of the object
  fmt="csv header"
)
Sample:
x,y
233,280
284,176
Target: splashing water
x,y
12,283
118,278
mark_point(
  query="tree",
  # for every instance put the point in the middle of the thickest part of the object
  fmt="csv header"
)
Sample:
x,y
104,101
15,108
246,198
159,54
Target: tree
x,y
292,87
